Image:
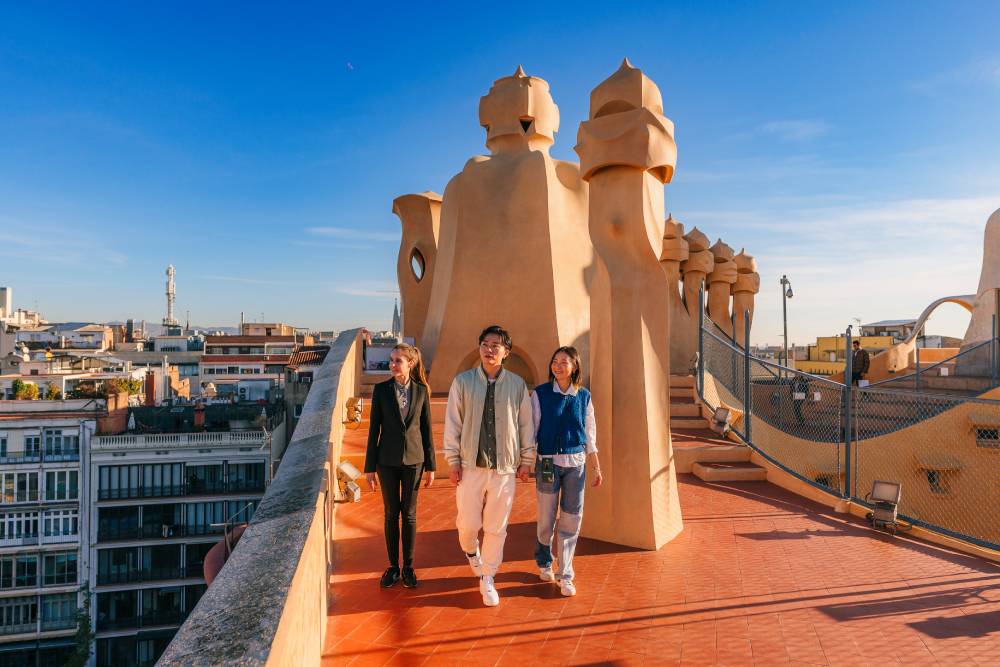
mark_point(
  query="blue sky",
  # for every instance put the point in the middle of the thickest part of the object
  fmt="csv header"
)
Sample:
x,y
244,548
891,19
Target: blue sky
x,y
258,147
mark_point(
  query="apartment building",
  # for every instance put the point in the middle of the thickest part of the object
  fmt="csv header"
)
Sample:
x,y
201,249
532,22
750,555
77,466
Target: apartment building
x,y
159,500
245,367
43,560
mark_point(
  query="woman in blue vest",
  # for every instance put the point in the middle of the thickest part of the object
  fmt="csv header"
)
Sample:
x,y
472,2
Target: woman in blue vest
x,y
566,434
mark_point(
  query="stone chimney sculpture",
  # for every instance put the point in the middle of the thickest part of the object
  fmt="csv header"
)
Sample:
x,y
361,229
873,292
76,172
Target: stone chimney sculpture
x,y
720,282
746,286
420,216
513,247
627,153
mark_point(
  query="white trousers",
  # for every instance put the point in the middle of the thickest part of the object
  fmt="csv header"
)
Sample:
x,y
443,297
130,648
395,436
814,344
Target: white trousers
x,y
484,500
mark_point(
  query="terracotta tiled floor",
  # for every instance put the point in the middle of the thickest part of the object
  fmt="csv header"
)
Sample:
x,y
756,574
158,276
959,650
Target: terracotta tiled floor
x,y
758,577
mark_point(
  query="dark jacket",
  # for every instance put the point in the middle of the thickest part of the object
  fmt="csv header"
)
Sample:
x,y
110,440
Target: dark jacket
x,y
393,442
860,362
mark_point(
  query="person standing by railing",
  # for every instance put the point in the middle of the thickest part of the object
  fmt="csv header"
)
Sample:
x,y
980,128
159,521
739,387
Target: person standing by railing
x,y
859,363
400,451
566,434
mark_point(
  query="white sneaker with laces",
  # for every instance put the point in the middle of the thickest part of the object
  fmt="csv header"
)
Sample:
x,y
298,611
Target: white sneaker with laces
x,y
546,574
490,596
476,563
567,588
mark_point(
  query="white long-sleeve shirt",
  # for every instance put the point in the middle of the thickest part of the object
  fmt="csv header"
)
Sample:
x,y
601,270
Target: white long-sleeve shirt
x,y
589,426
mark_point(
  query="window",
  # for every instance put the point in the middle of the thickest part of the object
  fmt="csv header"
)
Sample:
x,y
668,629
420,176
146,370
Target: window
x,y
201,516
3,445
205,479
19,487
161,606
233,370
246,476
117,610
115,523
18,614
18,525
61,522
18,571
32,445
194,559
62,485
937,480
298,410
118,482
116,566
988,438
59,569
61,445
162,479
59,611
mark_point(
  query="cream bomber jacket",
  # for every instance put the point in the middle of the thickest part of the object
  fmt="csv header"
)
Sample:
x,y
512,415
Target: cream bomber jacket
x,y
514,426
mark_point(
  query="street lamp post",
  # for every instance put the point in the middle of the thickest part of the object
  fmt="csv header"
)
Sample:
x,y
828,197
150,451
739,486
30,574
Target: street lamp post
x,y
786,294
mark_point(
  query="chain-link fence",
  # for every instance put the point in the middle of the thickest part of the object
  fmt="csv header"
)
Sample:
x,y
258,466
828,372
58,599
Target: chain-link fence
x,y
943,449
971,371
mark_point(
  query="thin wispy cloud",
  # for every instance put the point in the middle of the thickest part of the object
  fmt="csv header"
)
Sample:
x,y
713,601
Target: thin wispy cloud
x,y
57,246
352,234
794,130
315,244
369,289
245,280
982,72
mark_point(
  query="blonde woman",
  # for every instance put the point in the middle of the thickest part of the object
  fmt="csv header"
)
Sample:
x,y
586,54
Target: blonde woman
x,y
400,452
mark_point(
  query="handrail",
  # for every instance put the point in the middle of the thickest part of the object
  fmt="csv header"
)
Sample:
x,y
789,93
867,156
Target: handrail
x,y
268,603
920,371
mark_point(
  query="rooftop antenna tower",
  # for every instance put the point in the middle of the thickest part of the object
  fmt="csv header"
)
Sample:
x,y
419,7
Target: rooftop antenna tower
x,y
171,295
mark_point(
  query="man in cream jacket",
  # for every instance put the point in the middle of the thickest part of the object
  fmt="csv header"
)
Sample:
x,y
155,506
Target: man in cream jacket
x,y
488,437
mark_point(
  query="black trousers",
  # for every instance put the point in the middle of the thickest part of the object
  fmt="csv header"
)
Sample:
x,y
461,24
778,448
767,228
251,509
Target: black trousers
x,y
399,498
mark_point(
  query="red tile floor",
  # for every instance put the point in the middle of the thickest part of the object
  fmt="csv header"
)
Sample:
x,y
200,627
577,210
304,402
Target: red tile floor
x,y
759,576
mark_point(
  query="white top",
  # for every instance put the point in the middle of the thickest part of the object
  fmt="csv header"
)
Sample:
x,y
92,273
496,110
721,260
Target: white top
x,y
589,426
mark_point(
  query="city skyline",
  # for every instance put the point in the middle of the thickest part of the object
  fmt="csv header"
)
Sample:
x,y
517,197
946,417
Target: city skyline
x,y
260,155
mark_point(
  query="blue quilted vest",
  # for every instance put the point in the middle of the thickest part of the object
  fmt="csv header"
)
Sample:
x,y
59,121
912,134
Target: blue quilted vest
x,y
561,430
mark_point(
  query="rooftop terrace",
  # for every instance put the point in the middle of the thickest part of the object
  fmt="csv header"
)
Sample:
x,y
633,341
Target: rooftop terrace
x,y
759,575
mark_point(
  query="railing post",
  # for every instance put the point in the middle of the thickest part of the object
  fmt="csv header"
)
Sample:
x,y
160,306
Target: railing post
x,y
918,367
993,353
701,341
747,398
848,400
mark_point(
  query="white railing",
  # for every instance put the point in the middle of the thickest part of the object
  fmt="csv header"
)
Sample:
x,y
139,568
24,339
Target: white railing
x,y
178,440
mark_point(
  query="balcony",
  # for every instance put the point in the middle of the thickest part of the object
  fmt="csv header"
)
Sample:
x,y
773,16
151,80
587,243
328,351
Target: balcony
x,y
19,541
179,440
155,532
191,488
136,576
61,457
15,459
18,628
58,624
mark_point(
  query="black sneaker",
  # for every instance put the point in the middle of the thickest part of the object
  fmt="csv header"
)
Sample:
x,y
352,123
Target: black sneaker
x,y
409,577
389,577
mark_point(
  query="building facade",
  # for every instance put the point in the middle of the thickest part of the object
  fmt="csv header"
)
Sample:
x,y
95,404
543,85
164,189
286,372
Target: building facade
x,y
43,555
158,503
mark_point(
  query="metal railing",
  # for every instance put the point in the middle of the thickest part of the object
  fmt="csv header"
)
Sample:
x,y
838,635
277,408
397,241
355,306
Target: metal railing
x,y
980,358
191,488
944,449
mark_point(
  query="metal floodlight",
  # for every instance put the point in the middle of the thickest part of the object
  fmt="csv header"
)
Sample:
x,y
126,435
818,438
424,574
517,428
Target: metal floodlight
x,y
788,293
347,473
884,498
720,420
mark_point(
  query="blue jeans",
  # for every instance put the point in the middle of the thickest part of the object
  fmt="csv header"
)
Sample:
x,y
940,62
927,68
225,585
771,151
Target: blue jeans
x,y
565,495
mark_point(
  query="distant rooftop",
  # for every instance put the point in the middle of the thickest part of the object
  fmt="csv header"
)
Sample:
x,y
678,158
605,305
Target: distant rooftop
x,y
891,323
236,340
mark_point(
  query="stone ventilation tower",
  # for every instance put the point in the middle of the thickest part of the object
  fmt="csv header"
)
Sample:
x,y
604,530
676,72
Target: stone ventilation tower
x,y
171,295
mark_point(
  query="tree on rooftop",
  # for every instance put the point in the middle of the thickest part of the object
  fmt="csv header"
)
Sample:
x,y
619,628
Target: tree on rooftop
x,y
52,393
24,391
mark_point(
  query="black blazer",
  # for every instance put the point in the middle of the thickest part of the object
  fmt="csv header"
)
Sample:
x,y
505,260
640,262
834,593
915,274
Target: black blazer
x,y
393,442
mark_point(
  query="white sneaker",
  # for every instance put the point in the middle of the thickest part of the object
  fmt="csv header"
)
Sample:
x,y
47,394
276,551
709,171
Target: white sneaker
x,y
490,596
546,574
567,588
476,563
